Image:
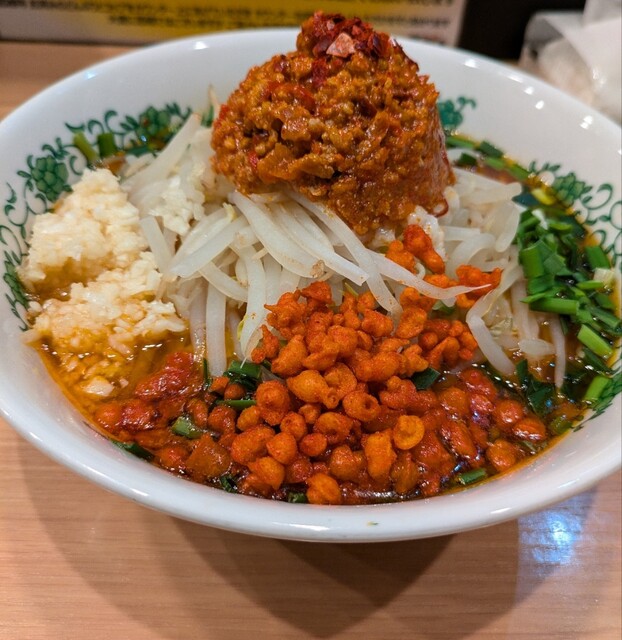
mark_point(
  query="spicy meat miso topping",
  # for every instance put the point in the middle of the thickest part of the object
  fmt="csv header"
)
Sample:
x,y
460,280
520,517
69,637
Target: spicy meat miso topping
x,y
346,120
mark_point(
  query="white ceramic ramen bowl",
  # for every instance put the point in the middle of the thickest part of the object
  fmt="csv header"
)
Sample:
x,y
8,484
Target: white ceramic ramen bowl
x,y
528,119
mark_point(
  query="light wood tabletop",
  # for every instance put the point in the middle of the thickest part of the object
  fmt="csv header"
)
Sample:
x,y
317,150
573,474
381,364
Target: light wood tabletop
x,y
79,562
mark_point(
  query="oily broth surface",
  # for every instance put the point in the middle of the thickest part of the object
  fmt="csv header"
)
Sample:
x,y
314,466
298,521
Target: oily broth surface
x,y
147,359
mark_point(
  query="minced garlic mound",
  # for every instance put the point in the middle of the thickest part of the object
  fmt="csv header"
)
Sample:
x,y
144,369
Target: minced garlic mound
x,y
92,249
93,229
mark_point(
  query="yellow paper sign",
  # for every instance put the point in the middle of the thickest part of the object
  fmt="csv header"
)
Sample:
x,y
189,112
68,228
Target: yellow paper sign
x,y
149,20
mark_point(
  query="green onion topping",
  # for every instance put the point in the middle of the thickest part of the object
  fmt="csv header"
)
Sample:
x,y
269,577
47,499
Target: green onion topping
x,y
471,476
84,146
183,426
425,379
134,448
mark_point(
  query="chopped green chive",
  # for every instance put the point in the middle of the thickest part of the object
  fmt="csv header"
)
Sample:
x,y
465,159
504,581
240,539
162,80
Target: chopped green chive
x,y
238,404
228,483
347,287
595,342
466,160
297,497
245,373
134,448
138,150
85,148
527,222
560,425
611,323
604,301
540,395
425,379
489,149
520,173
460,142
609,392
248,369
543,196
596,257
596,388
596,363
531,260
471,476
590,285
526,199
530,446
183,426
495,163
442,309
106,144
562,306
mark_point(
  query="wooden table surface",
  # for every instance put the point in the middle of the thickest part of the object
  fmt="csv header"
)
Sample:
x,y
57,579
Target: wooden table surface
x,y
79,562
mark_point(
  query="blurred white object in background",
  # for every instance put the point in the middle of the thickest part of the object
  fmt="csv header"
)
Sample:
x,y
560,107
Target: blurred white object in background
x,y
580,53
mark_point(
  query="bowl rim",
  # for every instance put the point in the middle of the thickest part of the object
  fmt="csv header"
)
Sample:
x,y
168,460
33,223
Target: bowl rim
x,y
469,57
150,486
